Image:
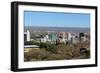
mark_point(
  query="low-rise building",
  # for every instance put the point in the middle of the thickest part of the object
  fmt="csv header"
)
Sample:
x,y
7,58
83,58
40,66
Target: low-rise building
x,y
28,48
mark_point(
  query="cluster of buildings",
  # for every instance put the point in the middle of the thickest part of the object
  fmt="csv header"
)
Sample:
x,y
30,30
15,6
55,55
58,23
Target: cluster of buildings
x,y
57,37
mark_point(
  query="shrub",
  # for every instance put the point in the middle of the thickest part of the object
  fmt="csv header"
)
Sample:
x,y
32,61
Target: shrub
x,y
43,45
36,54
52,48
56,57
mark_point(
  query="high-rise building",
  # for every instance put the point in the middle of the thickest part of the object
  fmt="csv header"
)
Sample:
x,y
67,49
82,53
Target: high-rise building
x,y
27,35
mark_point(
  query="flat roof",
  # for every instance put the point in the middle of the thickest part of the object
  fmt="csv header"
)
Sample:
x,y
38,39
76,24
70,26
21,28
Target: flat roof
x,y
31,46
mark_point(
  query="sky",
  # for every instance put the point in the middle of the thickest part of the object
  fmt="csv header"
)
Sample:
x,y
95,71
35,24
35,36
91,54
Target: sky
x,y
56,19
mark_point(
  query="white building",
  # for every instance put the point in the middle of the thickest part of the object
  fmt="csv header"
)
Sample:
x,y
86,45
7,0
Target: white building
x,y
27,35
28,48
69,36
72,37
45,38
84,37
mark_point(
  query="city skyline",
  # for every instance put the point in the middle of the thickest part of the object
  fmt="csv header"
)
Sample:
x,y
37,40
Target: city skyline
x,y
56,19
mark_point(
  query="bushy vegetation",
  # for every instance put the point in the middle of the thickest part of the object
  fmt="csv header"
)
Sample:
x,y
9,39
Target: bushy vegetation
x,y
36,54
49,51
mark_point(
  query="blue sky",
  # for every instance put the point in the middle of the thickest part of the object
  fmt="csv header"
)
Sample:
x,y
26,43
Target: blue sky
x,y
56,19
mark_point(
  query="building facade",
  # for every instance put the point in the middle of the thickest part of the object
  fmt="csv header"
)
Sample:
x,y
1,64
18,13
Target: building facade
x,y
27,35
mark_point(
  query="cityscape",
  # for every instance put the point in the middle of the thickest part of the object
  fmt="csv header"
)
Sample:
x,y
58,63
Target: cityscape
x,y
44,43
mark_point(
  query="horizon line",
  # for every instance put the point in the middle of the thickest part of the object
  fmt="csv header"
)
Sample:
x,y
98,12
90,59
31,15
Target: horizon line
x,y
56,26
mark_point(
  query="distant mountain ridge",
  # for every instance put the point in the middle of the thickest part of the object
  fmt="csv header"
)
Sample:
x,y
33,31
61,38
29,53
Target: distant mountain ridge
x,y
57,29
